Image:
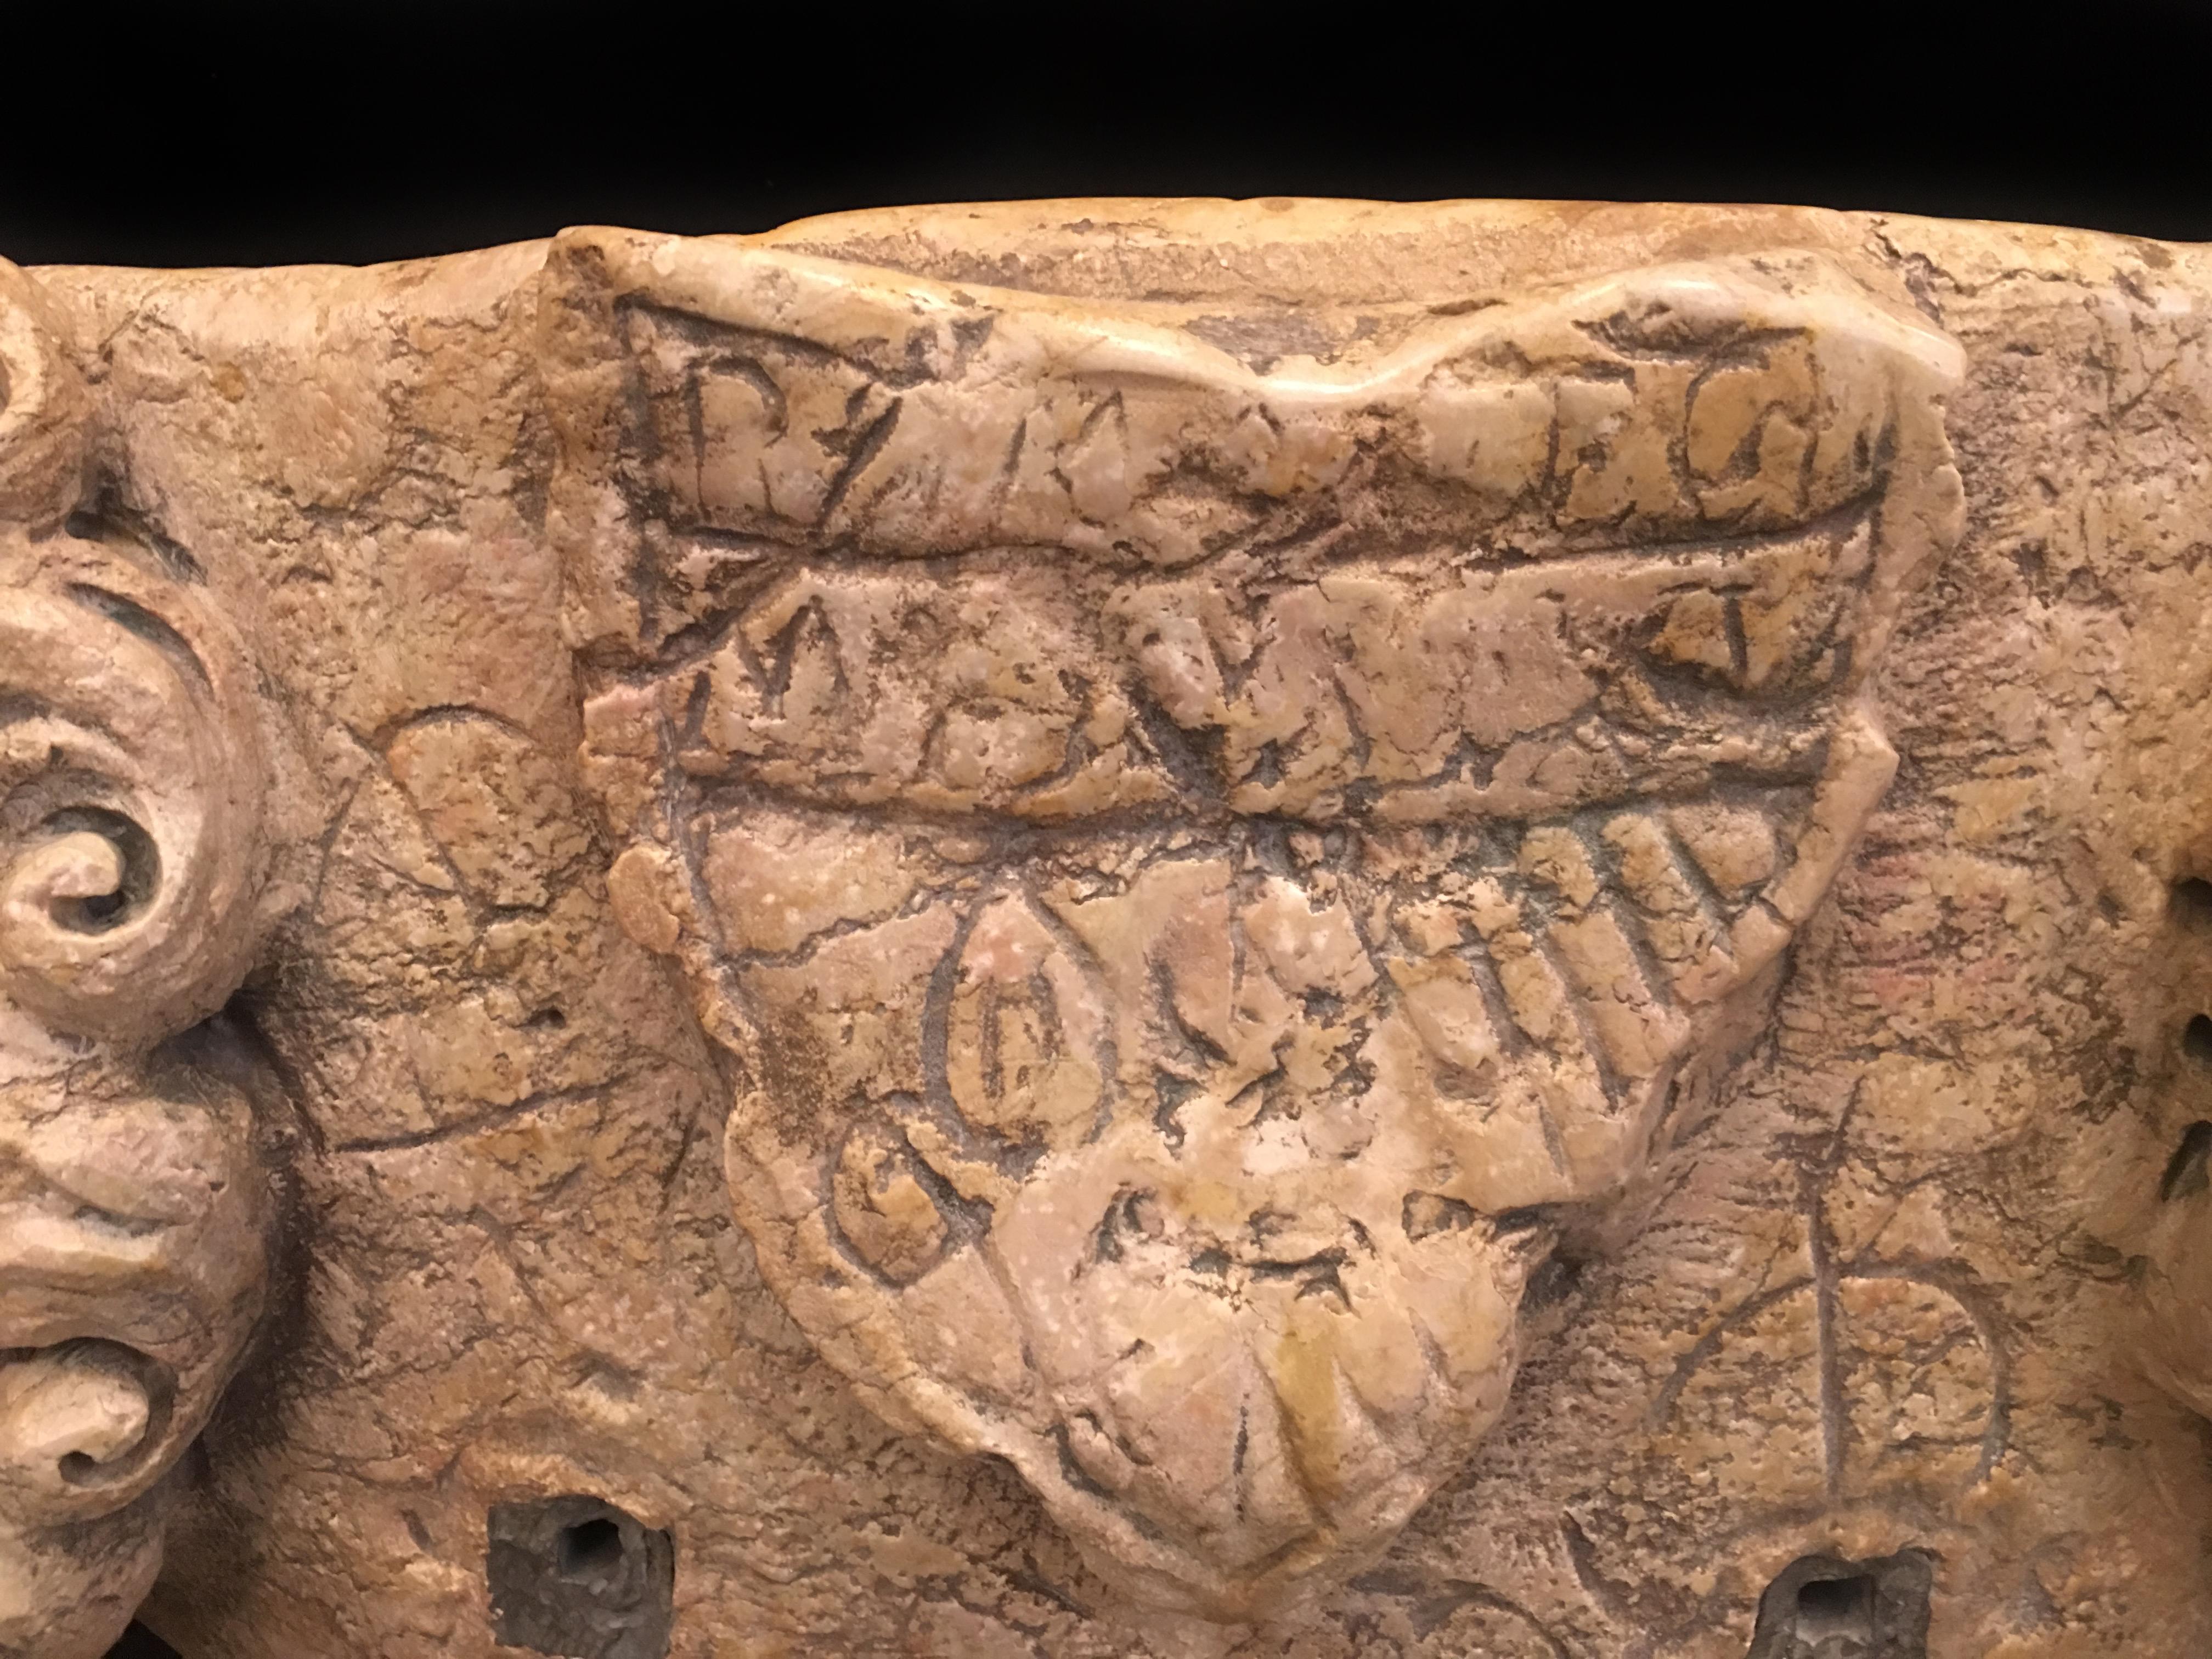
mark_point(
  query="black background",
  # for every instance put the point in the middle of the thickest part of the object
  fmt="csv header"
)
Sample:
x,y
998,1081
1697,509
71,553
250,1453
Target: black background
x,y
410,130
398,130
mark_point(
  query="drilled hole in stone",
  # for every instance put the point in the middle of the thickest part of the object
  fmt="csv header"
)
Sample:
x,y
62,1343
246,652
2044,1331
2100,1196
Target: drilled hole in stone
x,y
1822,1607
1840,1606
2190,904
576,1577
589,1549
2197,1039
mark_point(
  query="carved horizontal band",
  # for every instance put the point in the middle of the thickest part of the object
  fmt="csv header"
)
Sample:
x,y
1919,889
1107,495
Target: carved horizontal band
x,y
1398,695
763,400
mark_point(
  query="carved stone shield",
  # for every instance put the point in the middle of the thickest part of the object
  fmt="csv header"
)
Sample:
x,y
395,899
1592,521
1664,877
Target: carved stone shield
x,y
1200,838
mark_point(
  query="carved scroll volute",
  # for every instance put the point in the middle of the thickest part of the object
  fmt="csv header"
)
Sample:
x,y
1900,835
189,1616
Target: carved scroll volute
x,y
134,1231
135,1211
131,828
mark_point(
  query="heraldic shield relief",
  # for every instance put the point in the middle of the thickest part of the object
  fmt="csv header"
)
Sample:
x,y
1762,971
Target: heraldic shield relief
x,y
1201,843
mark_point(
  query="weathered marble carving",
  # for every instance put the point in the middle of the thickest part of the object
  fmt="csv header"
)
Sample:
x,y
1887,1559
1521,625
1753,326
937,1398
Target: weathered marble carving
x,y
1197,863
134,1210
1480,928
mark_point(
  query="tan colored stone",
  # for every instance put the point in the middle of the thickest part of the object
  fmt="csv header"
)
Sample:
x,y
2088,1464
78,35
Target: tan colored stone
x,y
1473,926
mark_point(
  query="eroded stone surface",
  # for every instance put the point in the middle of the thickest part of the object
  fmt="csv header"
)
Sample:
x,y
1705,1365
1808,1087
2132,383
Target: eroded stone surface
x,y
136,1199
1472,924
1184,949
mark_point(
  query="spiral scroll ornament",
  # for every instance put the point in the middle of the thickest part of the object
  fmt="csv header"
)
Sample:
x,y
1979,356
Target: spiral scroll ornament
x,y
135,1206
131,833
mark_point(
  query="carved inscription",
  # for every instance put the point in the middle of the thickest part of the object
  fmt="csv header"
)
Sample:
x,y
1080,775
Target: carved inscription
x,y
1200,870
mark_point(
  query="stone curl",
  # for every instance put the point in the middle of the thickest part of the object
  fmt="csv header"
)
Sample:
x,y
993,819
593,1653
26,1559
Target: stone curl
x,y
132,839
137,1209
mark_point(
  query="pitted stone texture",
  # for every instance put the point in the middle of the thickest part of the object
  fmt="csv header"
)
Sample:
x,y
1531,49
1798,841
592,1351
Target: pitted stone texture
x,y
1181,854
1449,815
140,874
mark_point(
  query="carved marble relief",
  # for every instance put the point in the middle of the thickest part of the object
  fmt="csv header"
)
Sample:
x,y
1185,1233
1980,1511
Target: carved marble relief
x,y
1204,859
1172,928
135,1210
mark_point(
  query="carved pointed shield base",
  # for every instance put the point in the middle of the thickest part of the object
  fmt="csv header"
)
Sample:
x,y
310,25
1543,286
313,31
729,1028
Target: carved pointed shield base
x,y
1204,852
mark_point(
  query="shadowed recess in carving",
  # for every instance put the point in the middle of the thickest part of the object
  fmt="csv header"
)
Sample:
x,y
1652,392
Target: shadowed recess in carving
x,y
576,1576
141,866
139,1643
2184,1174
591,1551
105,516
1821,1607
2190,903
144,623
